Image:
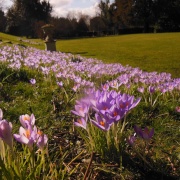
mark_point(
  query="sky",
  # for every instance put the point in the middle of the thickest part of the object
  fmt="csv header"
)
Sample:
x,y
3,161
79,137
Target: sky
x,y
62,7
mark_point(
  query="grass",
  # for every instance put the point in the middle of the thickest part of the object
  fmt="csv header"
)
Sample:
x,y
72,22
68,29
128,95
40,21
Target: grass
x,y
150,52
22,41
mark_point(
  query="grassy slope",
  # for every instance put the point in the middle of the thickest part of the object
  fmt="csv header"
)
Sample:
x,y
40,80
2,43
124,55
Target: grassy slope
x,y
150,52
10,39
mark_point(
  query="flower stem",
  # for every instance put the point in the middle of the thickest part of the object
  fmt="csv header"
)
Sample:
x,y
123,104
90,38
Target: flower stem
x,y
88,168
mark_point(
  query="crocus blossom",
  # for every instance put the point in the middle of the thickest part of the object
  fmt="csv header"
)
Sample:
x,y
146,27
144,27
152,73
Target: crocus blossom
x,y
152,89
32,81
81,122
108,107
27,136
141,89
144,133
102,122
27,120
81,109
41,139
60,84
130,140
178,109
5,132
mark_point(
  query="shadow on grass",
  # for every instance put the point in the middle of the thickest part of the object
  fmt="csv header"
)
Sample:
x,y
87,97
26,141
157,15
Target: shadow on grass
x,y
77,52
81,53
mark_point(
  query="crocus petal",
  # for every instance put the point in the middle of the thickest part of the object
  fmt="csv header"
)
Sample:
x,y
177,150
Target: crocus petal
x,y
102,123
5,132
21,139
42,141
99,126
32,119
81,122
22,131
24,120
130,140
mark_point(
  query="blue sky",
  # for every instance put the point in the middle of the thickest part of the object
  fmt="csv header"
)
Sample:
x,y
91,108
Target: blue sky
x,y
63,7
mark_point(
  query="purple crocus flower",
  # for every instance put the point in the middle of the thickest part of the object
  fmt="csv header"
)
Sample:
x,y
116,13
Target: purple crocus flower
x,y
126,102
81,122
27,136
41,139
114,84
76,87
27,120
105,87
60,84
81,109
103,102
141,89
109,107
102,122
178,109
5,132
130,140
32,81
116,113
152,89
144,134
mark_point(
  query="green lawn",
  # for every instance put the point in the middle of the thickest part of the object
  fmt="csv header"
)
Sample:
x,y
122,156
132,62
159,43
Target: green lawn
x,y
151,52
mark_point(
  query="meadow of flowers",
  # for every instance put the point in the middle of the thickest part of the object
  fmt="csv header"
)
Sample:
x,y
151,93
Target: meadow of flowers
x,y
94,120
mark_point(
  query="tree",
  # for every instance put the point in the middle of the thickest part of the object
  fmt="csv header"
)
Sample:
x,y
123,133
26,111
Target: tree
x,y
2,21
123,13
167,14
106,13
82,27
143,13
97,25
62,27
23,15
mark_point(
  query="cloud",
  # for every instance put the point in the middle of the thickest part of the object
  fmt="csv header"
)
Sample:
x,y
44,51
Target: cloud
x,y
60,3
62,8
91,11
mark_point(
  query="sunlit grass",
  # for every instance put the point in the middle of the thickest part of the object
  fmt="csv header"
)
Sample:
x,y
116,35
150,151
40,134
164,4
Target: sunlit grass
x,y
150,52
7,39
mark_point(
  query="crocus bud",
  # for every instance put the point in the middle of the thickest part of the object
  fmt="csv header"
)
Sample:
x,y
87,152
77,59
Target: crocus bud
x,y
5,132
144,133
178,109
130,140
42,141
32,81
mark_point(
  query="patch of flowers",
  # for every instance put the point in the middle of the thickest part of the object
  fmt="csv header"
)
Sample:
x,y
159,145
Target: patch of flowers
x,y
84,72
29,135
108,110
106,95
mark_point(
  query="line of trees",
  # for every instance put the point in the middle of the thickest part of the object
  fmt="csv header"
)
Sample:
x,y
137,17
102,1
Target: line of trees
x,y
25,18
